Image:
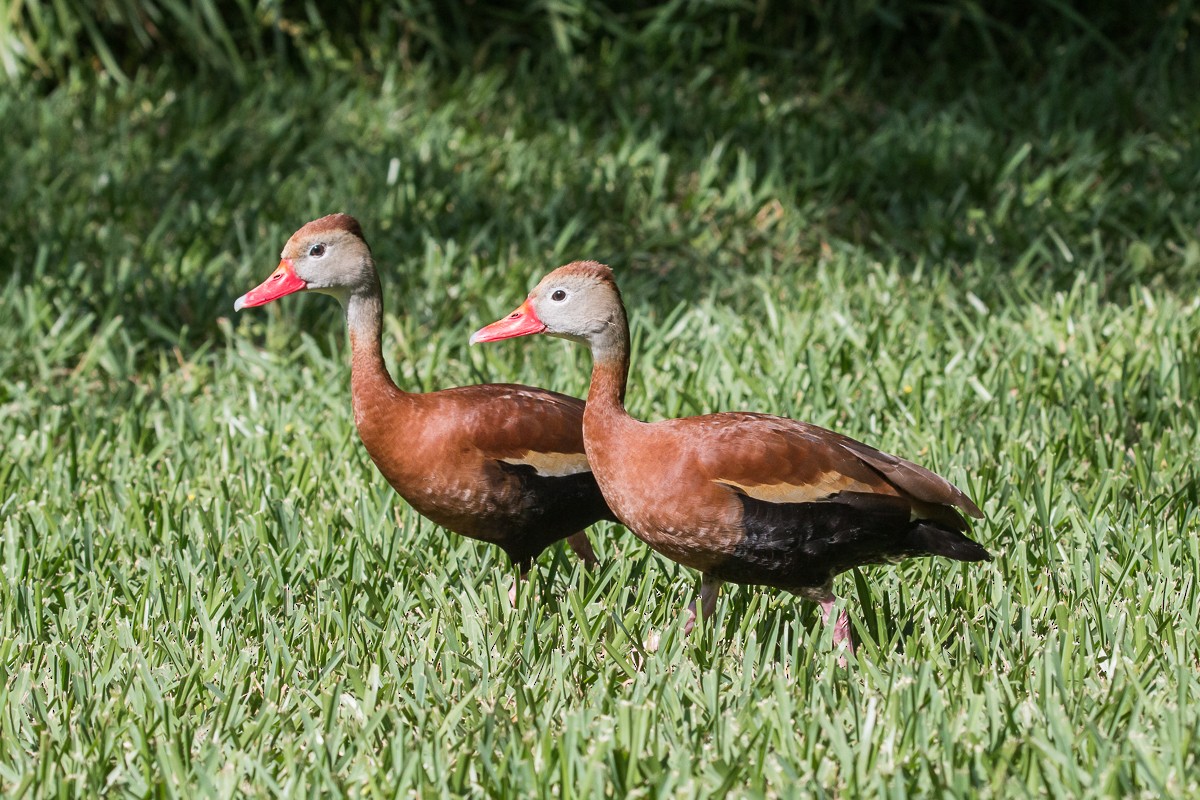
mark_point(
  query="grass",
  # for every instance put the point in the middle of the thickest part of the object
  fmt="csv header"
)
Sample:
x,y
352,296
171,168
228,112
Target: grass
x,y
206,588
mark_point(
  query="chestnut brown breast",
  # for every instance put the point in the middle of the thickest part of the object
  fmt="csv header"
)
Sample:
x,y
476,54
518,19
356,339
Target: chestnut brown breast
x,y
497,462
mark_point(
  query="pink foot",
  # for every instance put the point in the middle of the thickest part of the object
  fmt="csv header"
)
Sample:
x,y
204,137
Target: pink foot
x,y
512,590
709,587
841,629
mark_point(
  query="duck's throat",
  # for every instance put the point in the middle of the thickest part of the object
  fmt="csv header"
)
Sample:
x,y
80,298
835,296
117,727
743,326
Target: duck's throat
x,y
371,386
610,368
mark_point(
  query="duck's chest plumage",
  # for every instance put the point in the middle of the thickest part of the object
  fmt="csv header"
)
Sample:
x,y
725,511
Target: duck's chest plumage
x,y
654,484
495,462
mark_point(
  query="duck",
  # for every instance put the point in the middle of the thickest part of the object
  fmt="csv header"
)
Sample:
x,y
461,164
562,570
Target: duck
x,y
741,497
500,463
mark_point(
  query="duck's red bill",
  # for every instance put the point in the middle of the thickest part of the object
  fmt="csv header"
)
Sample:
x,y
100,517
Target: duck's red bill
x,y
282,281
521,322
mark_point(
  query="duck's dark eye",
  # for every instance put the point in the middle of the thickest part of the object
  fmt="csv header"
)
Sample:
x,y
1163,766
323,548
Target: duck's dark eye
x,y
558,296
317,250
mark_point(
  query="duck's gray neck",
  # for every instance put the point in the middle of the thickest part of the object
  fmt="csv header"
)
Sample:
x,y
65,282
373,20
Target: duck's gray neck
x,y
610,364
364,319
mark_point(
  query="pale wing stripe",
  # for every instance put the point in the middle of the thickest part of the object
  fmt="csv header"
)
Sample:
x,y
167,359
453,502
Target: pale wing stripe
x,y
827,484
552,465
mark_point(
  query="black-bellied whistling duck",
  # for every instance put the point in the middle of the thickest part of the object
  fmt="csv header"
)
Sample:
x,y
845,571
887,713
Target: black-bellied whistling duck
x,y
744,498
496,462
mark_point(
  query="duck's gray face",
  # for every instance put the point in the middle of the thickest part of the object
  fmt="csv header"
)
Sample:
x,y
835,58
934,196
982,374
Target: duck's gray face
x,y
573,302
327,255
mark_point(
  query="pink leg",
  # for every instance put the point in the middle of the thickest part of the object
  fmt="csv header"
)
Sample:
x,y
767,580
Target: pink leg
x,y
841,627
709,587
512,592
583,548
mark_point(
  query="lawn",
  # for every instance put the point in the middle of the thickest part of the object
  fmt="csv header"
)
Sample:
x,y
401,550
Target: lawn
x,y
986,261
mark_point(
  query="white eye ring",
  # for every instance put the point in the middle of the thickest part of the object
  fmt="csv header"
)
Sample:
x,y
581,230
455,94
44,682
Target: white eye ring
x,y
558,295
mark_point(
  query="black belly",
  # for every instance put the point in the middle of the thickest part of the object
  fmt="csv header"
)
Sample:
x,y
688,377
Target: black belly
x,y
552,508
796,546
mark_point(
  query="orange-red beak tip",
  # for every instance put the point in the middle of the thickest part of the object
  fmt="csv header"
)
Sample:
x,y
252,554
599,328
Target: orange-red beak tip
x,y
522,322
283,281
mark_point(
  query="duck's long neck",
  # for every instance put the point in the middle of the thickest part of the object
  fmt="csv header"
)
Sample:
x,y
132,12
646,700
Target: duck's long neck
x,y
370,383
610,368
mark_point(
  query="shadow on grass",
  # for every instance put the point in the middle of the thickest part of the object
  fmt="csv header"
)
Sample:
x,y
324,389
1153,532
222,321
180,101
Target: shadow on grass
x,y
1027,162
